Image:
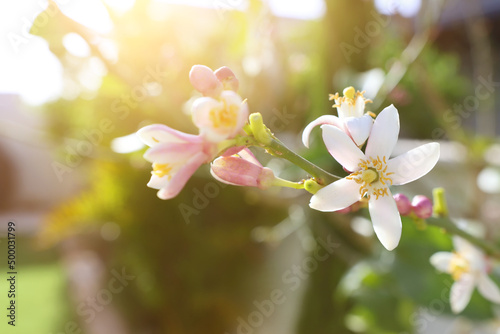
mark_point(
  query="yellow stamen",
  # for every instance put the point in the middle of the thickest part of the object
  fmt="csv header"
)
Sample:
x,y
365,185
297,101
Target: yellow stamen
x,y
349,92
372,171
458,266
161,170
225,117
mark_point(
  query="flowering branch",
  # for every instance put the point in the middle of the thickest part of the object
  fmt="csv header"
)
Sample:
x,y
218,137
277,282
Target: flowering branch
x,y
278,149
449,226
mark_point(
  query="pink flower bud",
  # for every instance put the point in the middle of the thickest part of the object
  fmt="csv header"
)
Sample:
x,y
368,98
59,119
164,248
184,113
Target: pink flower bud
x,y
227,78
422,206
403,203
205,81
242,170
344,210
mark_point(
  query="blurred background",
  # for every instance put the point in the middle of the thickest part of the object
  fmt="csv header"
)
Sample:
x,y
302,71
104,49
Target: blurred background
x,y
99,253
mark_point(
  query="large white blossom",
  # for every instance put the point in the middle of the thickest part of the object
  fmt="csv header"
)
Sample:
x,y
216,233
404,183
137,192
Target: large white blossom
x,y
372,172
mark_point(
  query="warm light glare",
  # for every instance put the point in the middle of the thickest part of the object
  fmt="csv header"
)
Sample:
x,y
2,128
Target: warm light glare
x,y
297,9
406,8
120,6
76,45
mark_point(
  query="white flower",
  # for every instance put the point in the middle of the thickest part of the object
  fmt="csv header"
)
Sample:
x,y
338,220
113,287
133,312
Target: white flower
x,y
372,172
222,118
468,267
352,118
175,156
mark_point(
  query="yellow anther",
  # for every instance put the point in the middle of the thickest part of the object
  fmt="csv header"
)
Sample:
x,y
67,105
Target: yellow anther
x,y
226,117
458,266
349,92
161,170
369,176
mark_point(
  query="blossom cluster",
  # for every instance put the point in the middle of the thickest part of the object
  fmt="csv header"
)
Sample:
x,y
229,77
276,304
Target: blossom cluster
x,y
219,115
361,142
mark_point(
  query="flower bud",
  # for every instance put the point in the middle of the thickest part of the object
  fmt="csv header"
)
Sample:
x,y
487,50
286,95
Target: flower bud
x,y
344,210
403,203
422,206
227,78
242,170
205,81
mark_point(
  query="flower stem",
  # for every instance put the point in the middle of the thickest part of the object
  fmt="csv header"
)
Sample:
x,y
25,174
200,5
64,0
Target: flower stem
x,y
289,184
450,227
278,149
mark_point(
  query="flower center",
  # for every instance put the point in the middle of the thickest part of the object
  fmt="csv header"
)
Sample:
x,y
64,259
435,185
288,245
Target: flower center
x,y
225,117
370,175
373,177
161,170
458,266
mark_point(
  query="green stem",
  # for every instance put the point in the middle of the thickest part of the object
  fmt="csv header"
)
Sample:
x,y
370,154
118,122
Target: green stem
x,y
277,148
289,184
450,227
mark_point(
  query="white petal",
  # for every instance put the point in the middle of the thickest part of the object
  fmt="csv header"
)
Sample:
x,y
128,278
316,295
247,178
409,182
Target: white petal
x,y
413,164
338,195
488,289
326,119
386,220
157,182
344,109
359,128
359,106
441,260
341,147
153,134
384,134
170,153
461,292
462,246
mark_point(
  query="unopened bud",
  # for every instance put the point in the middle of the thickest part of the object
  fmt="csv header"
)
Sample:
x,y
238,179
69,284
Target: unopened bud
x,y
227,78
205,81
403,203
240,171
422,206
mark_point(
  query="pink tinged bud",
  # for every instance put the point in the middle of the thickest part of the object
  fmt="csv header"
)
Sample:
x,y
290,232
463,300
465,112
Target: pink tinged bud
x,y
205,81
227,78
403,203
354,207
238,171
344,210
232,150
422,206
